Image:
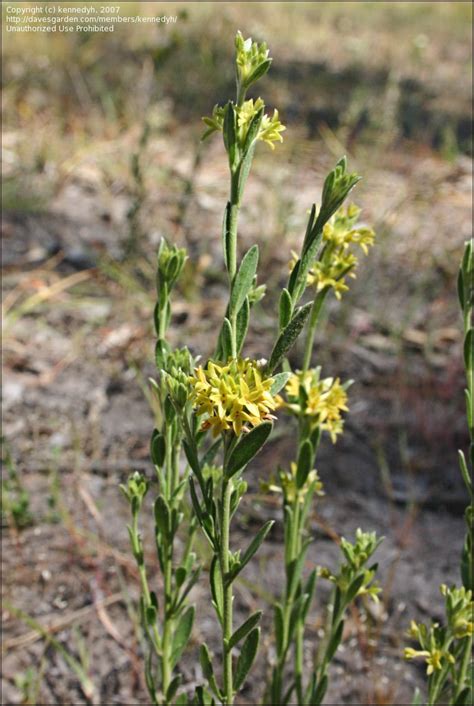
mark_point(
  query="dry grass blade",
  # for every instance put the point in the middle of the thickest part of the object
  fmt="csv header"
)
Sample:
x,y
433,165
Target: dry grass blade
x,y
45,631
45,293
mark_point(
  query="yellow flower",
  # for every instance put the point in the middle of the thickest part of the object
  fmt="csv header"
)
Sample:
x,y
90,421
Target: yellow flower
x,y
323,400
337,261
433,658
269,130
270,127
232,395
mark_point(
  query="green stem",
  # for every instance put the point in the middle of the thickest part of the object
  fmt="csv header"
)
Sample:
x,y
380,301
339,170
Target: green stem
x,y
298,639
299,644
466,660
231,249
154,634
172,480
292,548
241,92
224,567
312,324
167,623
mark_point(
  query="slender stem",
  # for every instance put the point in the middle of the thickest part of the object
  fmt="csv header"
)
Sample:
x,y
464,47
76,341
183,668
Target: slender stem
x,y
172,466
163,303
154,634
299,644
299,632
241,91
464,667
168,623
291,553
313,322
228,599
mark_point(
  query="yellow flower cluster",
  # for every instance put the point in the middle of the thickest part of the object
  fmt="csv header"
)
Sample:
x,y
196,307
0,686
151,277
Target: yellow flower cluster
x,y
337,261
270,128
434,658
323,400
232,395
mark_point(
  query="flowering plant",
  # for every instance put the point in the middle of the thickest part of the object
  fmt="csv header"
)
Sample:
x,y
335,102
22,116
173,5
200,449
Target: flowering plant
x,y
221,412
447,649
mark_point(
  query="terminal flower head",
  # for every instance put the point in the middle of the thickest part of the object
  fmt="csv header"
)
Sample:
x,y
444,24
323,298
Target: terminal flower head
x,y
321,400
251,61
234,396
270,127
337,261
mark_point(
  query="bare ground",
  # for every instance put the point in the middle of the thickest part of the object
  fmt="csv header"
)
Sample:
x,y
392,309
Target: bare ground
x,y
77,421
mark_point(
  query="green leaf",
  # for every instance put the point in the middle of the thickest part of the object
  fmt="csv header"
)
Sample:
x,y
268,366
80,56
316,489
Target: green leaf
x,y
217,589
207,669
309,590
279,381
210,454
305,463
246,658
417,698
465,472
192,457
253,130
150,615
192,581
295,568
244,629
260,71
226,339
251,549
318,694
195,501
173,688
279,630
461,295
157,448
225,234
247,448
230,136
296,614
334,642
243,280
162,516
285,309
150,677
354,588
242,324
248,152
469,352
288,337
203,697
182,634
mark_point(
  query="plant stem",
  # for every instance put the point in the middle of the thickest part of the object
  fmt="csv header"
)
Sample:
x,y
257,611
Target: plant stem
x,y
168,621
154,634
299,644
464,667
224,567
313,322
167,626
292,548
